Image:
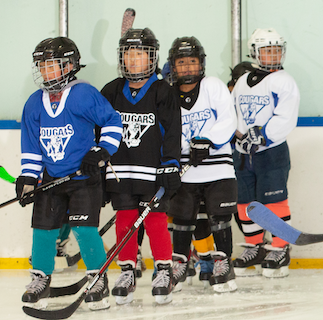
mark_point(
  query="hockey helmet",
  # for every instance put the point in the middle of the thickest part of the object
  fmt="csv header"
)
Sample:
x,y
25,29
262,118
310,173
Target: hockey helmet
x,y
139,39
61,51
267,38
240,69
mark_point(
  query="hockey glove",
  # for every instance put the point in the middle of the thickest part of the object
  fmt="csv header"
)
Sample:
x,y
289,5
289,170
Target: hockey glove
x,y
23,186
168,177
251,141
91,162
199,150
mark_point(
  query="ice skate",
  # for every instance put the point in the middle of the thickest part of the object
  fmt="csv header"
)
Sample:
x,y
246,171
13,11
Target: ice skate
x,y
206,271
276,263
249,262
61,255
97,296
191,272
125,285
38,290
222,279
179,271
140,265
162,284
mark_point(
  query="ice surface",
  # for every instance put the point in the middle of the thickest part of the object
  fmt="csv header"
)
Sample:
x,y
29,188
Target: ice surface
x,y
296,297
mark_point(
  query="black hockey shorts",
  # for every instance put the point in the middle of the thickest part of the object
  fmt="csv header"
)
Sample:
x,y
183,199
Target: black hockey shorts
x,y
125,201
220,198
79,199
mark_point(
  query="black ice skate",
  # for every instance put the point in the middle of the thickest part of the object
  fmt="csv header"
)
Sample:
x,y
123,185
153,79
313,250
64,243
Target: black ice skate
x,y
61,255
38,290
179,270
207,264
140,265
191,272
276,263
97,296
252,256
222,279
125,285
162,283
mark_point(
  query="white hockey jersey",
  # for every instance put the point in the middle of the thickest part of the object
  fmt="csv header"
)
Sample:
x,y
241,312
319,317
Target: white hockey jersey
x,y
270,101
212,117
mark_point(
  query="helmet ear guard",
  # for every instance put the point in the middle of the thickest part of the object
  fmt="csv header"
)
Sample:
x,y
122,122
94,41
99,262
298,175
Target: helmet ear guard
x,y
186,47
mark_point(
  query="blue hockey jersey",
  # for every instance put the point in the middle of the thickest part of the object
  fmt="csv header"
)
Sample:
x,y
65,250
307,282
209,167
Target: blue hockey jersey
x,y
57,137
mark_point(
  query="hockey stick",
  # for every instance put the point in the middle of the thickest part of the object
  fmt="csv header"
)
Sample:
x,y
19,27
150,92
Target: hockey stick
x,y
77,257
6,176
42,188
69,310
74,288
261,215
127,21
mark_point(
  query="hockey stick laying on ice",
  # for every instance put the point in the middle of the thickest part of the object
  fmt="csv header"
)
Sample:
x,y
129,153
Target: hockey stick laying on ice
x,y
127,21
261,215
73,288
69,310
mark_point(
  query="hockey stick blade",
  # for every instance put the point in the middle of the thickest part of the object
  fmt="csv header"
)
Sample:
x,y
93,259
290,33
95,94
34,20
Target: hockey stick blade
x,y
261,215
77,257
68,290
69,310
127,21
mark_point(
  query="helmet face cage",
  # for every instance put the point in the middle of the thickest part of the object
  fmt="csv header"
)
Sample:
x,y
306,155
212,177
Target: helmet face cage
x,y
268,48
49,74
137,63
55,63
186,47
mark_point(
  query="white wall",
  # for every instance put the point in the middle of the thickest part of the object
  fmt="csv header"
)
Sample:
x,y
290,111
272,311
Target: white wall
x,y
305,194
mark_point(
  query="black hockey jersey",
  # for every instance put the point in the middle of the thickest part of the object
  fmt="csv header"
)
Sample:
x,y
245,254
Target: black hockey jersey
x,y
151,134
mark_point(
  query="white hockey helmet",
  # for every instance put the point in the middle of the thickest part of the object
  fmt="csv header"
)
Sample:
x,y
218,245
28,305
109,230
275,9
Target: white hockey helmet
x,y
266,38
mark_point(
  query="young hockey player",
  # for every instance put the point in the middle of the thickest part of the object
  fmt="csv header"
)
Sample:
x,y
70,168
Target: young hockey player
x,y
208,124
57,137
266,101
148,157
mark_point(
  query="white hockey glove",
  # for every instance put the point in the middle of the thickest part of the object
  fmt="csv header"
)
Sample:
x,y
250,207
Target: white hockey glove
x,y
251,141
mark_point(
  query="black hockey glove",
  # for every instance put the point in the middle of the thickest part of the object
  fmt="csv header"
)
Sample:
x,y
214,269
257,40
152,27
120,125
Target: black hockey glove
x,y
199,150
251,141
23,186
168,177
91,162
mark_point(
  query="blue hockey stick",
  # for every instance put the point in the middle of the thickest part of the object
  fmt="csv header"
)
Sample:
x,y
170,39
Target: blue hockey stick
x,y
261,215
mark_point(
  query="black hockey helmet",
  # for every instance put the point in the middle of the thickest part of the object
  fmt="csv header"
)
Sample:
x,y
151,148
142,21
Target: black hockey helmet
x,y
240,69
142,39
186,47
61,50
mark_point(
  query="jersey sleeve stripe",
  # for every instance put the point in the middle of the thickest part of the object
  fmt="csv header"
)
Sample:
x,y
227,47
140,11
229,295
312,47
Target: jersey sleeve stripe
x,y
112,129
110,140
32,156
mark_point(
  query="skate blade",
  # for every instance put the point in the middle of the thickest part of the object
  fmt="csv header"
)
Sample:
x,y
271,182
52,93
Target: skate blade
x,y
124,300
189,280
206,284
99,305
164,299
225,287
275,273
178,287
248,272
60,264
40,304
